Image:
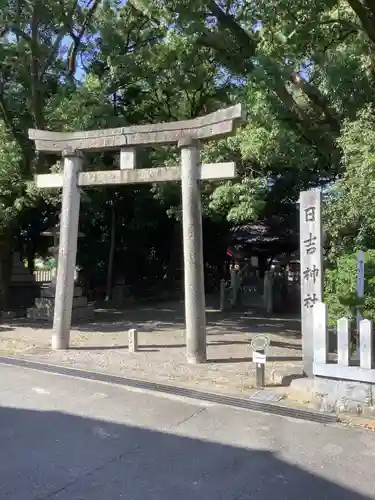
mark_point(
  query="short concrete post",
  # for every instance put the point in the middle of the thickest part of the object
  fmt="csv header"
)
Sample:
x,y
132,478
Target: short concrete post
x,y
365,344
320,333
132,340
73,161
195,310
343,342
222,295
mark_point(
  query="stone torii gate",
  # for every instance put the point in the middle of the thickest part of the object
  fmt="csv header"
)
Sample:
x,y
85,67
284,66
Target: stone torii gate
x,y
187,134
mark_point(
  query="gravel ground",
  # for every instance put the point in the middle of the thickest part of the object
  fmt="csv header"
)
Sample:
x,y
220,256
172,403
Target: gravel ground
x,y
103,346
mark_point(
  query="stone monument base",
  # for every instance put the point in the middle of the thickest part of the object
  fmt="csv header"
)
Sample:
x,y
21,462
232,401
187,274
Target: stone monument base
x,y
22,287
44,306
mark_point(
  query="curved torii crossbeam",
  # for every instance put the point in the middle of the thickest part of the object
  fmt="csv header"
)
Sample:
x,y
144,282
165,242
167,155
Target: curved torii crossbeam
x,y
187,134
215,125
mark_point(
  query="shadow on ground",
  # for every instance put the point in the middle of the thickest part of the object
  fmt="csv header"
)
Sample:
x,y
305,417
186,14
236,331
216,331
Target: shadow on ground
x,y
171,317
65,457
161,330
156,347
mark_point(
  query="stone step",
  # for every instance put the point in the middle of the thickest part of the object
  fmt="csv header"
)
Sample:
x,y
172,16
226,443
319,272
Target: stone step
x,y
49,291
22,278
46,313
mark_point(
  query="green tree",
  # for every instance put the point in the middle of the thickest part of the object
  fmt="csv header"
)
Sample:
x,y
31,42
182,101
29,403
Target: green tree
x,y
39,49
350,213
304,71
340,288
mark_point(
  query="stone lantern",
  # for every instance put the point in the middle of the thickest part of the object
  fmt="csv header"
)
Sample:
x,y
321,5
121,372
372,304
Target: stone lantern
x,y
45,304
54,232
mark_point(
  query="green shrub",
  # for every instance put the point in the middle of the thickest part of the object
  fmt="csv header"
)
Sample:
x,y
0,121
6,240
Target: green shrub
x,y
340,288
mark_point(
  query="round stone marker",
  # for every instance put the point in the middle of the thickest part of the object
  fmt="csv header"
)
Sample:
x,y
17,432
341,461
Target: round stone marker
x,y
260,342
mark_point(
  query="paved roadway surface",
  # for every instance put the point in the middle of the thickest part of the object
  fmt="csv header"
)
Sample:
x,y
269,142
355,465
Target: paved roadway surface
x,y
68,439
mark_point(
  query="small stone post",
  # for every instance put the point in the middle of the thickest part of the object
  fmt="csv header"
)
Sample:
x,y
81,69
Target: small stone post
x,y
73,161
343,342
366,344
234,286
320,332
222,294
195,310
133,340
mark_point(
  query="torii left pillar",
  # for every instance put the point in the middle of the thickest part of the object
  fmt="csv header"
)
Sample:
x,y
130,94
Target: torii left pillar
x,y
195,311
73,161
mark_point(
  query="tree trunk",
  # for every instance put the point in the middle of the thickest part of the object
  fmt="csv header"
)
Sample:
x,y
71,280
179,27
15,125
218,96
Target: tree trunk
x,y
366,14
111,255
175,254
5,273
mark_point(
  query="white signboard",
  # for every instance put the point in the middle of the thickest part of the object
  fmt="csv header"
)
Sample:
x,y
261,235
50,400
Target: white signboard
x,y
259,357
311,268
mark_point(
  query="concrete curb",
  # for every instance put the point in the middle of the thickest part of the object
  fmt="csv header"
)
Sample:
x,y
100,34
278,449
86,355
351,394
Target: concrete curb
x,y
234,402
334,396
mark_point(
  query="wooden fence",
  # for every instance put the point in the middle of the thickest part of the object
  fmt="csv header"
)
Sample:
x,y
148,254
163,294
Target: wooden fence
x,y
344,367
43,275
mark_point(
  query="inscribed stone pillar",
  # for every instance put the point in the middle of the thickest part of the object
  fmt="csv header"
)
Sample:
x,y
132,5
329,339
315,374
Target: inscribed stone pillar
x,y
73,161
195,310
311,269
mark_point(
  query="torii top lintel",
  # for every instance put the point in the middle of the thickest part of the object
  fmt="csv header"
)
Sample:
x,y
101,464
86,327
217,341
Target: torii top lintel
x,y
215,125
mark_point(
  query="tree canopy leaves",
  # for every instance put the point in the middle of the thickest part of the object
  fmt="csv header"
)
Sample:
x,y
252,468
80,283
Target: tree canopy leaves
x,y
304,71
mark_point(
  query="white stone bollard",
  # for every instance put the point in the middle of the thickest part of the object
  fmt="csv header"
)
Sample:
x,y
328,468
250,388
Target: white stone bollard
x,y
133,340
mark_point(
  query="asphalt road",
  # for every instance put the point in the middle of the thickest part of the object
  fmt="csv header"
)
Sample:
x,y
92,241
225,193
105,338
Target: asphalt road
x,y
68,439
